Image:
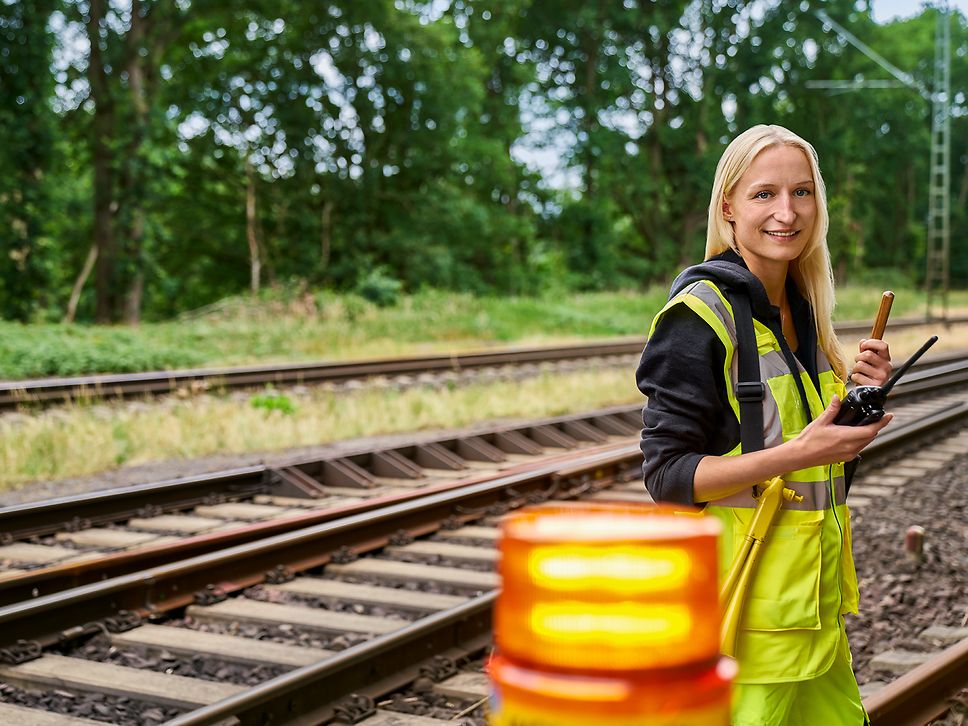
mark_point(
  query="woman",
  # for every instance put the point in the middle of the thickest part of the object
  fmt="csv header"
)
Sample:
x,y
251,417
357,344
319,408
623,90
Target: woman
x,y
766,240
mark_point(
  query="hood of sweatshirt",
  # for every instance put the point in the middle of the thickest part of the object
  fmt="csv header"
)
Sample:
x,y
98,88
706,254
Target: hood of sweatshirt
x,y
730,274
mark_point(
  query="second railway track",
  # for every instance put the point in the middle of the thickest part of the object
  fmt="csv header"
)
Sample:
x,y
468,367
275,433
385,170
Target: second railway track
x,y
40,392
353,613
52,545
326,623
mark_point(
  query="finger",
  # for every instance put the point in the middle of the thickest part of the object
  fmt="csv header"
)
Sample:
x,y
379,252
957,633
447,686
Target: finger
x,y
872,429
878,347
887,418
830,413
871,357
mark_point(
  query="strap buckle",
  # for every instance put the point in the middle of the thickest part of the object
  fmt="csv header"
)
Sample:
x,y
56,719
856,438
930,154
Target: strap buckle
x,y
750,391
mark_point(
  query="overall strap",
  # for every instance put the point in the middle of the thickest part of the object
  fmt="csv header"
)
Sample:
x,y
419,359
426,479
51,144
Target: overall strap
x,y
750,389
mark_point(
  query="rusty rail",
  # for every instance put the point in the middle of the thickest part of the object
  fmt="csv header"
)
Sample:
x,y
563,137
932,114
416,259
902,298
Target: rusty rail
x,y
53,391
50,618
924,694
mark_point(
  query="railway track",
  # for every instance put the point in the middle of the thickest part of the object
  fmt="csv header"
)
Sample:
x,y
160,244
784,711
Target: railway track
x,y
329,612
54,391
341,621
53,545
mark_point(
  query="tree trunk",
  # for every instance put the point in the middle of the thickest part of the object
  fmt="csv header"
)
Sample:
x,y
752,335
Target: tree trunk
x,y
79,284
134,191
131,314
132,300
103,160
963,193
255,264
326,234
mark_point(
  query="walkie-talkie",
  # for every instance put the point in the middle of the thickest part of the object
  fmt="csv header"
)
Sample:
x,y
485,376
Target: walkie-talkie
x,y
865,404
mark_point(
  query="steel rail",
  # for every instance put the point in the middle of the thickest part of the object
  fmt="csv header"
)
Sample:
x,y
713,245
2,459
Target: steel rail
x,y
308,695
28,519
923,694
59,577
379,666
71,512
50,391
170,586
127,385
106,506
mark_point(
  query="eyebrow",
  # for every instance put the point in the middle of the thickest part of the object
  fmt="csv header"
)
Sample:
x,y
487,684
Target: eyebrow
x,y
769,185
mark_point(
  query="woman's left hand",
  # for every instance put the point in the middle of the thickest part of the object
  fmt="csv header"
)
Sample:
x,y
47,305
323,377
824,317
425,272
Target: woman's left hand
x,y
872,365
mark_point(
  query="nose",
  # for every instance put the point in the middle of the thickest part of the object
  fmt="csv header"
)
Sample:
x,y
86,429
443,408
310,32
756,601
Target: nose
x,y
784,211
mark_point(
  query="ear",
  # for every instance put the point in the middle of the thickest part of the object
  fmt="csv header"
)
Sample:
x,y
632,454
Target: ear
x,y
727,211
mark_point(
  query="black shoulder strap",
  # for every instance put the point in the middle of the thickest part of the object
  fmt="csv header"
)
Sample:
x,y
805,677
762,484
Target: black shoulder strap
x,y
750,390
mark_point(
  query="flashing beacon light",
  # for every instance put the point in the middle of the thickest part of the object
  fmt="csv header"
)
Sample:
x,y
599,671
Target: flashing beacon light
x,y
609,613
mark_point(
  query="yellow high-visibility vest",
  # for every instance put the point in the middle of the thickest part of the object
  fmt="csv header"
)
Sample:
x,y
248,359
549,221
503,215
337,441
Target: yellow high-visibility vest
x,y
805,578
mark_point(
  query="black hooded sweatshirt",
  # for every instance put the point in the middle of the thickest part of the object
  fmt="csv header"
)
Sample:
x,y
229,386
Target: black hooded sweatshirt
x,y
688,415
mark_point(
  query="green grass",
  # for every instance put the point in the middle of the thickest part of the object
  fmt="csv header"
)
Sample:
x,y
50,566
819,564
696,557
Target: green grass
x,y
285,327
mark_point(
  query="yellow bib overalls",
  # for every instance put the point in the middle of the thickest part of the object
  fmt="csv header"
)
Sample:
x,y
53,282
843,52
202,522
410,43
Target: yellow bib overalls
x,y
792,630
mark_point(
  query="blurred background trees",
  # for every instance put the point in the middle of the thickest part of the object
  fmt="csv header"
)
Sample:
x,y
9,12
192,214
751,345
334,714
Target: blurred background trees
x,y
160,155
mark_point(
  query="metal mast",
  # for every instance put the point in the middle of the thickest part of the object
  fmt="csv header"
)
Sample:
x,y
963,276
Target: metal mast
x,y
939,188
938,251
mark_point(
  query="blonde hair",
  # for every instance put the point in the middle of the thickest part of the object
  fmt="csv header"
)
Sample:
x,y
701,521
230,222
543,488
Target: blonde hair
x,y
811,270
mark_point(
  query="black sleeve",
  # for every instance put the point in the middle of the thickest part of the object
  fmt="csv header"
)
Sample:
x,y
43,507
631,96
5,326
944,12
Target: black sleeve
x,y
681,373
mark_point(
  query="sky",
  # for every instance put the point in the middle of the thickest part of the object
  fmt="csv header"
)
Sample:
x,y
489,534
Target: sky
x,y
885,10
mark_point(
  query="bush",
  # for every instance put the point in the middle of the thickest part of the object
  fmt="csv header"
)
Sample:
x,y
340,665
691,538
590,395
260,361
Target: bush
x,y
63,350
379,287
272,401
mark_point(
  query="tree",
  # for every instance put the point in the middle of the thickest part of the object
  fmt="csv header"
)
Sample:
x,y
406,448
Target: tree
x,y
27,126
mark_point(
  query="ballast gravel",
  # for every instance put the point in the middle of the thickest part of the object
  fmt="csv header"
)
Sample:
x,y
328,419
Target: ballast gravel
x,y
900,598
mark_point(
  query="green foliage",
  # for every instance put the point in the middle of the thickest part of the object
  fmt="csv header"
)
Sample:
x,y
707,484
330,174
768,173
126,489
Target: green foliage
x,y
27,129
272,401
293,324
28,351
379,147
379,287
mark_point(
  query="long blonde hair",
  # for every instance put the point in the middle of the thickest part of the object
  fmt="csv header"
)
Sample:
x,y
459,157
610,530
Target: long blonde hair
x,y
811,270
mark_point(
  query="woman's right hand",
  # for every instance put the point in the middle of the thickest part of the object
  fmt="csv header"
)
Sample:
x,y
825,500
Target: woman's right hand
x,y
823,442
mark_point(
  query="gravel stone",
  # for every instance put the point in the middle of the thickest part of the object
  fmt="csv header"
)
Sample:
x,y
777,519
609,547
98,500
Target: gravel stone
x,y
899,598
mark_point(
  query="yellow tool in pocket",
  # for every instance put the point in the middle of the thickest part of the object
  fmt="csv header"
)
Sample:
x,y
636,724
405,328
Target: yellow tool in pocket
x,y
732,596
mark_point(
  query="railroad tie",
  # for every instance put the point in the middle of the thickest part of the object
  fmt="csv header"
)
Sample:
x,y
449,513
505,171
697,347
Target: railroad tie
x,y
57,671
23,716
467,686
243,511
391,571
392,718
343,592
184,641
456,552
242,609
111,538
490,534
181,523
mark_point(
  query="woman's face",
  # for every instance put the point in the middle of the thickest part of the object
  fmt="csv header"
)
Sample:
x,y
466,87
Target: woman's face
x,y
772,208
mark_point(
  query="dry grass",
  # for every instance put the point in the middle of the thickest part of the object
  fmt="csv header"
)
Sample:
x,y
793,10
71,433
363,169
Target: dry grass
x,y
904,342
79,441
84,440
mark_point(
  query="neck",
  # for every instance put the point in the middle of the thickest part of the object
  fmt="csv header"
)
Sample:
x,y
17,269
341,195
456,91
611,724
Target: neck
x,y
773,276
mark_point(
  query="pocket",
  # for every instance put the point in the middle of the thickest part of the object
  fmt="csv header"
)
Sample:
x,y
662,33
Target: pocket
x,y
784,592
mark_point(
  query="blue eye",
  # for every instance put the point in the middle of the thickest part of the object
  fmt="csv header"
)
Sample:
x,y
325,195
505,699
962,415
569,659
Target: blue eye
x,y
761,195
802,192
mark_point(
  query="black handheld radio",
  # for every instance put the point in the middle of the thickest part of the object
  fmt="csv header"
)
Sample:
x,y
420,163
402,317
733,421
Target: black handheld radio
x,y
865,404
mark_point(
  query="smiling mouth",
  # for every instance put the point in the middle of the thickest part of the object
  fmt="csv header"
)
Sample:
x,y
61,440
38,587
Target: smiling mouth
x,y
785,235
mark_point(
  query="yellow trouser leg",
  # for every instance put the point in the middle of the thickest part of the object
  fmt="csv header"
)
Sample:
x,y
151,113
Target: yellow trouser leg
x,y
831,699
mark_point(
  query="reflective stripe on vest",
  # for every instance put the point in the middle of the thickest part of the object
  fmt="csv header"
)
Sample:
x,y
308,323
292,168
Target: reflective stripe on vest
x,y
805,577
